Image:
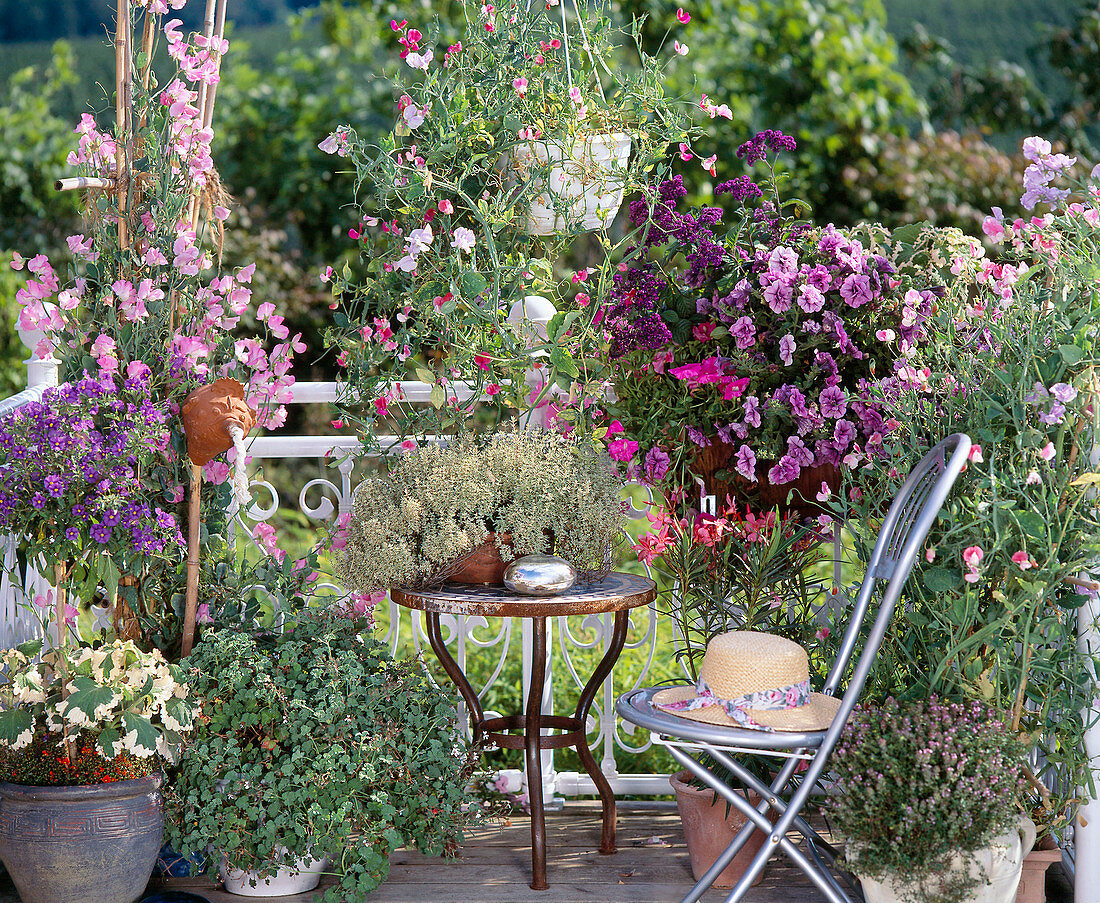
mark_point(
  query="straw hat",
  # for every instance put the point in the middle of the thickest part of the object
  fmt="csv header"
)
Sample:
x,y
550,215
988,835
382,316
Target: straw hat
x,y
761,677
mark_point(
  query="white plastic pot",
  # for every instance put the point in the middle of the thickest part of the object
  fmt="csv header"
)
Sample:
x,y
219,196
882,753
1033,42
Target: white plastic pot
x,y
303,876
587,178
999,864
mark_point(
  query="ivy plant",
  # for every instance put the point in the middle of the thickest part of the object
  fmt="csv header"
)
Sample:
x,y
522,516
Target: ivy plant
x,y
316,742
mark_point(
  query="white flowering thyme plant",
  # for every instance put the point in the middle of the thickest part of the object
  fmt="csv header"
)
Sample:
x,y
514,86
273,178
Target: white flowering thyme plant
x,y
89,715
438,503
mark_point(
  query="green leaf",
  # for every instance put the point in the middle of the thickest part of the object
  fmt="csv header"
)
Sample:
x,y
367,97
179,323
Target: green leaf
x,y
108,742
31,648
473,284
425,376
180,711
1071,354
1032,524
940,580
13,723
147,735
86,697
563,361
439,396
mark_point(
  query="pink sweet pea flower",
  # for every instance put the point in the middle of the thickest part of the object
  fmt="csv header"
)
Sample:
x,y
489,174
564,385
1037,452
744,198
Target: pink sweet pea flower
x,y
1022,560
481,361
520,86
1047,452
682,17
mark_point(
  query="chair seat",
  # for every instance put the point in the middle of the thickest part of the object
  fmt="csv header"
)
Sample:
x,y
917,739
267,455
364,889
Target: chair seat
x,y
637,707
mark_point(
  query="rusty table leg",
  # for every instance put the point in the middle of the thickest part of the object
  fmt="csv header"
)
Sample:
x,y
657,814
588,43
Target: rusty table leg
x,y
532,737
607,797
469,696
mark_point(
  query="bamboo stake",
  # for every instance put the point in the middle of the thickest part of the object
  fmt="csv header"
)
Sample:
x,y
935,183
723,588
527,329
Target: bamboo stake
x,y
80,183
59,577
191,599
212,89
208,33
147,48
123,93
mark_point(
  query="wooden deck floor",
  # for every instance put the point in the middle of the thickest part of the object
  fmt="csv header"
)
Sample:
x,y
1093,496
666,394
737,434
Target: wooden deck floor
x,y
651,866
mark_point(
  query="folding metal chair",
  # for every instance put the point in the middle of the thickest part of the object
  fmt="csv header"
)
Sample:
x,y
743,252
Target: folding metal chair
x,y
900,539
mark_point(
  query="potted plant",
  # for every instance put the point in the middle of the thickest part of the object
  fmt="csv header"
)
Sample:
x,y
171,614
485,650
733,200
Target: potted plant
x,y
732,571
84,734
927,800
71,473
487,133
750,357
315,744
991,602
515,494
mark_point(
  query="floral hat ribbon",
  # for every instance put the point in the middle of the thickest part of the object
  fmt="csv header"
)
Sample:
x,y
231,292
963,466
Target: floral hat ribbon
x,y
778,699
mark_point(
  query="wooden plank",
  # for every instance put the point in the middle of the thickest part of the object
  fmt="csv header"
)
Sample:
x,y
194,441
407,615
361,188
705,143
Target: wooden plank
x,y
494,866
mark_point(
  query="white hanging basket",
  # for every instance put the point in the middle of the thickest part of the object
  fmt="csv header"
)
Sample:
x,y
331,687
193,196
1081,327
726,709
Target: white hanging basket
x,y
587,178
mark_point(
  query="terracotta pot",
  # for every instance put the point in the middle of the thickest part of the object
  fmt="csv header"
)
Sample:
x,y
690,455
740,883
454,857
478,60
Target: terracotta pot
x,y
1033,878
483,565
762,495
708,830
208,413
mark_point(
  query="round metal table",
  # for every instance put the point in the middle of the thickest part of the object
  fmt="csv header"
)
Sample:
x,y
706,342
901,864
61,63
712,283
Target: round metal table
x,y
618,593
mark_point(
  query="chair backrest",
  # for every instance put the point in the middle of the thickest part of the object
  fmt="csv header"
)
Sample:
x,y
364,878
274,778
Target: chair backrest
x,y
901,536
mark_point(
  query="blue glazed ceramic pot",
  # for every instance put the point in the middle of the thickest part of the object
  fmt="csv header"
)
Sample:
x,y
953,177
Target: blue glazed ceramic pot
x,y
93,843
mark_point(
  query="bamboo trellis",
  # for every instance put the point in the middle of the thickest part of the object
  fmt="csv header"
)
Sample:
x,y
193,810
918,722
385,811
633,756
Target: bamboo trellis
x,y
121,186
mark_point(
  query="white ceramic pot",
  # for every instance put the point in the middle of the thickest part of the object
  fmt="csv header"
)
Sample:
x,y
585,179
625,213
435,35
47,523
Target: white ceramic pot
x,y
303,876
1000,863
587,178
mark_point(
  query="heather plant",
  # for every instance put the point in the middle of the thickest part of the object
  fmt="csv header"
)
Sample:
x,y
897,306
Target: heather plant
x,y
994,600
765,343
919,782
439,503
84,715
735,570
315,742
